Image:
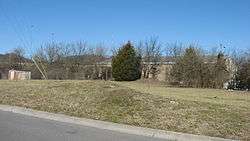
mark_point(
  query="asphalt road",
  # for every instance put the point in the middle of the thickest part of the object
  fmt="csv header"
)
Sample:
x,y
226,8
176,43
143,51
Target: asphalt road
x,y
17,127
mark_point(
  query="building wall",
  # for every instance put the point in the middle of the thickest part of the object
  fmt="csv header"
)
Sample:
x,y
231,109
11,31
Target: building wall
x,y
19,75
163,73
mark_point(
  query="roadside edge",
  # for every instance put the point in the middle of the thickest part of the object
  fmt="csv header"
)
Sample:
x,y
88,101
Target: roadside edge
x,y
122,128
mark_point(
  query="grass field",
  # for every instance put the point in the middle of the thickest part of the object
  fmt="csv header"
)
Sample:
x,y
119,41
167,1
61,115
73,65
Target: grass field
x,y
198,111
213,96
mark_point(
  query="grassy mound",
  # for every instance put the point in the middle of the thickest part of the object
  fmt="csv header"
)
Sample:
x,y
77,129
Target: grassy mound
x,y
112,102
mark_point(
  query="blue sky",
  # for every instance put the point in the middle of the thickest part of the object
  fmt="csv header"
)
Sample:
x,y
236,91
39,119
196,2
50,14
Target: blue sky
x,y
208,23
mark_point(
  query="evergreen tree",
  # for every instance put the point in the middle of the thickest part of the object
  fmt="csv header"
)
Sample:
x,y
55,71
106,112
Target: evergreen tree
x,y
188,68
192,63
126,65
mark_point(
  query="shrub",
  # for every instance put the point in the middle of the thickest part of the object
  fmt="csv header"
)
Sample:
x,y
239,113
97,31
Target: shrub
x,y
126,65
193,69
187,68
242,78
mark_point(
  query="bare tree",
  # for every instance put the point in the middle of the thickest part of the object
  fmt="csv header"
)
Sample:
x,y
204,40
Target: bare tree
x,y
241,80
139,48
151,57
174,50
74,54
70,60
17,59
98,57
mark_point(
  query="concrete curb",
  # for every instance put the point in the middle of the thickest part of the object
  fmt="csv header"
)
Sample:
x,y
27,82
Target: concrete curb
x,y
175,136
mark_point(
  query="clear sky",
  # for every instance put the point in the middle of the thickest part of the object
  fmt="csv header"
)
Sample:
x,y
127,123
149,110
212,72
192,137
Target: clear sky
x,y
112,22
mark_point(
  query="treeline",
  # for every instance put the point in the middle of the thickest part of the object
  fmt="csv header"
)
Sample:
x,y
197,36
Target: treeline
x,y
192,68
53,60
71,61
187,66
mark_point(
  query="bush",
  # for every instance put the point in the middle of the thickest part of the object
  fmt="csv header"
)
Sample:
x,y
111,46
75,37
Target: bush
x,y
126,65
193,69
242,78
187,68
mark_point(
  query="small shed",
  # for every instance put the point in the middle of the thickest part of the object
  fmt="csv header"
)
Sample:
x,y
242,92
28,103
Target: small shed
x,y
19,75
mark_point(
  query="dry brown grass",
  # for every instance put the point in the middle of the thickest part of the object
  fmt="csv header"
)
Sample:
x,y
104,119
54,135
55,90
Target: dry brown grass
x,y
135,104
213,96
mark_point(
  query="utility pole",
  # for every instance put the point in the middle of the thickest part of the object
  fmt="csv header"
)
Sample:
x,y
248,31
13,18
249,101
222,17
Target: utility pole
x,y
44,76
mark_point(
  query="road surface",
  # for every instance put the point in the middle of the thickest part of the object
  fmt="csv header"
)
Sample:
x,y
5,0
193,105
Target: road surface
x,y
17,127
